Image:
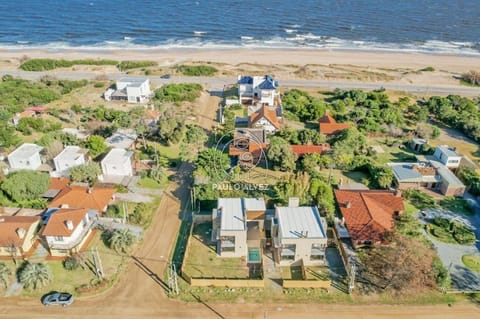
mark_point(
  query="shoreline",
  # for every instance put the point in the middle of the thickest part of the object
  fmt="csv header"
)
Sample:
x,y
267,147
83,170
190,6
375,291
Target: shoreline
x,y
268,56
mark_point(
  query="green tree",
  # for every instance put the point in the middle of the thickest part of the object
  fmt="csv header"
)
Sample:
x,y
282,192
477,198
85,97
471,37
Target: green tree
x,y
25,185
212,164
86,173
138,216
170,127
8,137
192,143
121,239
280,154
322,196
158,174
96,145
34,276
5,274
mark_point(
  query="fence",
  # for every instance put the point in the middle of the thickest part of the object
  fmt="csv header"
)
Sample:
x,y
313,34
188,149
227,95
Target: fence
x,y
231,283
306,284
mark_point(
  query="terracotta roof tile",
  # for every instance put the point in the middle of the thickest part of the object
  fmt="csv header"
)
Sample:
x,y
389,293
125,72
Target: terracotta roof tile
x,y
58,183
80,197
370,213
329,126
57,223
300,150
9,226
266,112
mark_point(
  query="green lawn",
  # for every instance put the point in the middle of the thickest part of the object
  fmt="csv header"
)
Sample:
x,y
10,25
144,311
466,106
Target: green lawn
x,y
317,273
393,149
292,273
456,205
472,262
202,259
451,232
148,182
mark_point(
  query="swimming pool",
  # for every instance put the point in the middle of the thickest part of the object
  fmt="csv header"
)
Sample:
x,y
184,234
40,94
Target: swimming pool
x,y
253,255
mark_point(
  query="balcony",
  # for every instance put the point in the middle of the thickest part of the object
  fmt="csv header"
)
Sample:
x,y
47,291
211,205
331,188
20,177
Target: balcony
x,y
76,241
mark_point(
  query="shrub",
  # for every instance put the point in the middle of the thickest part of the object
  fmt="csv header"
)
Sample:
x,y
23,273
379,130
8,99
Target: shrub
x,y
127,65
178,92
428,69
196,70
71,262
51,64
472,77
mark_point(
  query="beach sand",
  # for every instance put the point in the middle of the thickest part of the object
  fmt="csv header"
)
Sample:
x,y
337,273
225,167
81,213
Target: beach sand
x,y
345,65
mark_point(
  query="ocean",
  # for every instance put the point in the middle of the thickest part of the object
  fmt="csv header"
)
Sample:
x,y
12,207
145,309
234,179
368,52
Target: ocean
x,y
438,26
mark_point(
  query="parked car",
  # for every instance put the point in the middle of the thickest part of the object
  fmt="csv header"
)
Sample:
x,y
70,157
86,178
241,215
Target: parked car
x,y
165,76
57,298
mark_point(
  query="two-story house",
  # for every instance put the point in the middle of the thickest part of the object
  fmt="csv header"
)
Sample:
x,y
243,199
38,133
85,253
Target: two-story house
x,y
266,118
67,230
118,162
17,235
299,236
130,89
258,89
27,156
448,156
71,156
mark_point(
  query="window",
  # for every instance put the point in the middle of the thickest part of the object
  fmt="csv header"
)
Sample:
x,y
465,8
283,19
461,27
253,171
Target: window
x,y
58,238
227,244
453,161
317,252
288,252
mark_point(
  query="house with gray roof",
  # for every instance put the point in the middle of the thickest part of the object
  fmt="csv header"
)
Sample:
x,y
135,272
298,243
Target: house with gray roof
x,y
130,89
258,89
26,156
238,225
299,236
448,156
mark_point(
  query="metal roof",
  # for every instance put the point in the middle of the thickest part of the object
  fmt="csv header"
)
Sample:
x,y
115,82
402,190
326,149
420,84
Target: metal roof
x,y
300,222
245,80
449,177
447,150
122,139
117,156
231,214
254,204
70,153
404,173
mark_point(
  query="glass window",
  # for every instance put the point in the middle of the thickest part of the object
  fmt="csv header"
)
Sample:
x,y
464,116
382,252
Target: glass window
x,y
288,252
227,244
317,251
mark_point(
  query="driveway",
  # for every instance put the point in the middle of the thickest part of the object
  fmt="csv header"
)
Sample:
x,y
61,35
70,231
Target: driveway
x,y
463,278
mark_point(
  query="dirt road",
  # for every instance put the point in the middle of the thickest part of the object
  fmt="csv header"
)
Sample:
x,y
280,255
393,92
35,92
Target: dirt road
x,y
140,292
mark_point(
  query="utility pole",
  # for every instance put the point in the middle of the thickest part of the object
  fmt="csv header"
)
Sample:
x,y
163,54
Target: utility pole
x,y
124,207
172,278
351,284
98,263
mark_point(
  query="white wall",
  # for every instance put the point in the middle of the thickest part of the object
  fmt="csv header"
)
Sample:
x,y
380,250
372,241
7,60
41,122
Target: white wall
x,y
67,239
241,247
303,251
124,169
265,124
62,165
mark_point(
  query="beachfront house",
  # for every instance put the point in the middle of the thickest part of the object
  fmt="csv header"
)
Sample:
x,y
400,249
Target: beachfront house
x,y
67,230
130,89
118,162
258,89
17,235
238,226
368,215
448,156
71,156
299,236
27,156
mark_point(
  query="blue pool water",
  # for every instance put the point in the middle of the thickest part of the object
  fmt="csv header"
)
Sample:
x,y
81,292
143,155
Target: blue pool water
x,y
253,255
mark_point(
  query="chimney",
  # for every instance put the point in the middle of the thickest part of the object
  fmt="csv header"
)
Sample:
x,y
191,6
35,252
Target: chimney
x,y
293,202
69,224
343,221
348,204
21,233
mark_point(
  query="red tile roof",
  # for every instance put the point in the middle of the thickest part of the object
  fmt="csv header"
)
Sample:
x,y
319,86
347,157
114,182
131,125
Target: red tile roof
x,y
9,226
58,183
368,213
329,126
270,114
80,197
300,150
57,223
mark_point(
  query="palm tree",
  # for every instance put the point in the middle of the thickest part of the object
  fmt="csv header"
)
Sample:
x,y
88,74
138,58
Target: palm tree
x,y
121,239
5,273
34,275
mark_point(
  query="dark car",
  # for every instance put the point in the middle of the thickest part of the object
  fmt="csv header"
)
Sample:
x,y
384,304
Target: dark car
x,y
57,298
166,76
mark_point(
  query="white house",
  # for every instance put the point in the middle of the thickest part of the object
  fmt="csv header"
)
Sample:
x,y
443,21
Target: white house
x,y
265,118
447,156
257,89
27,156
132,90
71,156
122,138
118,162
299,236
67,230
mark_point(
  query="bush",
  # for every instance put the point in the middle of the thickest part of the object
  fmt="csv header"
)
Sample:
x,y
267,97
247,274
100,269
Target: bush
x,y
71,262
178,92
51,64
127,65
428,69
472,77
419,199
196,70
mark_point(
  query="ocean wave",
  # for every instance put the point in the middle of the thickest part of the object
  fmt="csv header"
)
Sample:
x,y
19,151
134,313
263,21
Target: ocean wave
x,y
300,41
199,33
289,31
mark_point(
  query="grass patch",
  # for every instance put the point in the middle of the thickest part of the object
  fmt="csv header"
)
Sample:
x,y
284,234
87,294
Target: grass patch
x,y
51,64
456,205
196,70
148,182
419,199
127,65
178,92
451,232
202,260
472,262
427,69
